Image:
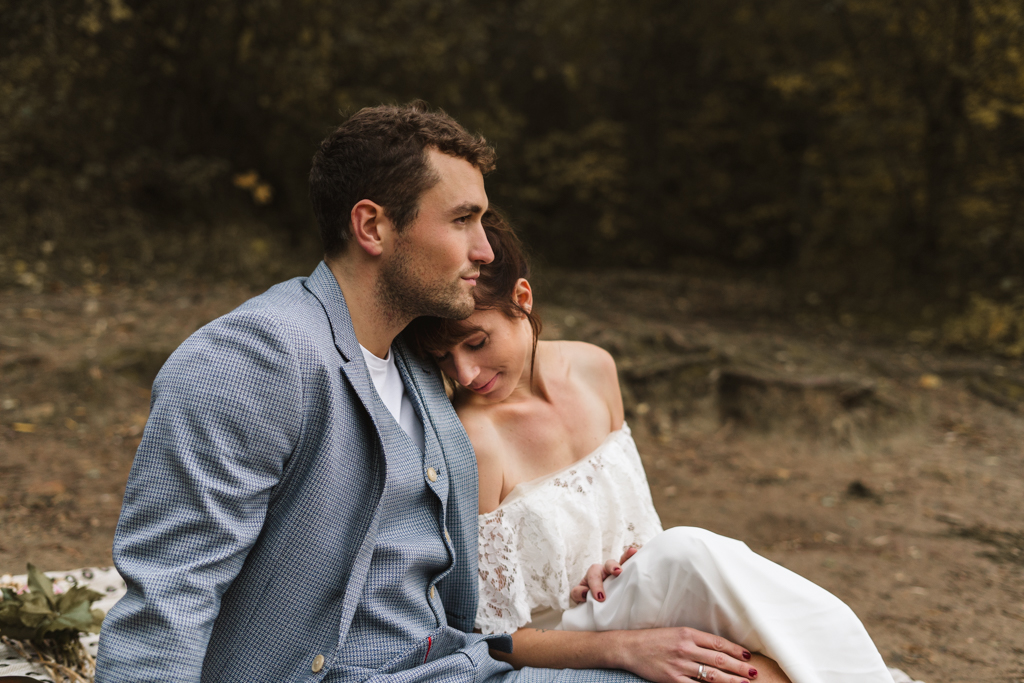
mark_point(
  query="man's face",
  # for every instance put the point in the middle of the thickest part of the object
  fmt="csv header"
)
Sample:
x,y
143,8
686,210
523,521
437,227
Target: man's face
x,y
433,265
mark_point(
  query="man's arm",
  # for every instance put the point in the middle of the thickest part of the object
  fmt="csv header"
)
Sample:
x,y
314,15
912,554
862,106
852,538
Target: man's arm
x,y
225,416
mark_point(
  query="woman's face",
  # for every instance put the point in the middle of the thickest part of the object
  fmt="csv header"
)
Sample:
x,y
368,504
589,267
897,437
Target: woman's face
x,y
494,359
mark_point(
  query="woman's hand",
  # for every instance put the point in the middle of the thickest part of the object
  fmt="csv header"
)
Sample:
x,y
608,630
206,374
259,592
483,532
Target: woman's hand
x,y
672,655
593,582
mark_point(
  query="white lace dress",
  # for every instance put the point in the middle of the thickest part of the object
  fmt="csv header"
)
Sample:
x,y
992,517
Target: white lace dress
x,y
546,533
540,541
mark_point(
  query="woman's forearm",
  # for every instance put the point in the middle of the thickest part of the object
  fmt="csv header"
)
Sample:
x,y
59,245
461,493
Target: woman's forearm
x,y
548,649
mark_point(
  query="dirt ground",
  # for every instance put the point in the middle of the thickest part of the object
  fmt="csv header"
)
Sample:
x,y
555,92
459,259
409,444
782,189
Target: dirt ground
x,y
891,474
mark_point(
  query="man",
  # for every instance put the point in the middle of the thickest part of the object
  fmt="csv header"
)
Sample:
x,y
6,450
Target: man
x,y
303,504
286,518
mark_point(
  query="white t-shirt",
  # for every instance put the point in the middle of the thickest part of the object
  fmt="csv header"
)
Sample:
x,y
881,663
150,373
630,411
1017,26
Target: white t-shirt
x,y
391,389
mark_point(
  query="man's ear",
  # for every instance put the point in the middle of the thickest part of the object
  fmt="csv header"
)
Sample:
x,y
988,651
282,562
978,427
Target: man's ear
x,y
367,219
523,295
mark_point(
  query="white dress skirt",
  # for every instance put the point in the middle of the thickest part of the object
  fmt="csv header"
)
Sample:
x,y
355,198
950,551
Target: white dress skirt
x,y
543,537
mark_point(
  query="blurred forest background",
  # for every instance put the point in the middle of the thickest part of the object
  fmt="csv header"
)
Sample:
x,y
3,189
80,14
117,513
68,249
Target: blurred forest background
x,y
798,226
865,155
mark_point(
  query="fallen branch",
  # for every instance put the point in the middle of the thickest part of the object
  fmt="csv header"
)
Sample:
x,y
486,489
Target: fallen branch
x,y
84,672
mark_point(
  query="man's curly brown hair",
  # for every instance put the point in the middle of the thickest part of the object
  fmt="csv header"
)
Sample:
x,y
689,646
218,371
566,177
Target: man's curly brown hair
x,y
380,154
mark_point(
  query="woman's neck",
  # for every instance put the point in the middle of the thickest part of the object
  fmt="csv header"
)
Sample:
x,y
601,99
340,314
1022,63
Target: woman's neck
x,y
534,384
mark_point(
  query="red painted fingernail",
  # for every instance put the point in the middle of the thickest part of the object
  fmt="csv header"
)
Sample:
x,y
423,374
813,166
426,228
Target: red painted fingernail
x,y
752,673
746,655
600,596
617,571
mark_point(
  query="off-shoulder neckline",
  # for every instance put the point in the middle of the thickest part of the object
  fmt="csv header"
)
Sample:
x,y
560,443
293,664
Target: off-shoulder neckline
x,y
522,488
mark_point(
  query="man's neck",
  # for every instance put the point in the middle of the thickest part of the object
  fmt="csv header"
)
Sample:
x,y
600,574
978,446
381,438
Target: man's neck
x,y
375,325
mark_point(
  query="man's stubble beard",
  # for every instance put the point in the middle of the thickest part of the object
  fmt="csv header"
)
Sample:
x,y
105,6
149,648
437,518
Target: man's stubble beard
x,y
404,293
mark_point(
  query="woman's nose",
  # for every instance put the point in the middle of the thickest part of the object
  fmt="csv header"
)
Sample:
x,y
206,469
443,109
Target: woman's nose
x,y
465,372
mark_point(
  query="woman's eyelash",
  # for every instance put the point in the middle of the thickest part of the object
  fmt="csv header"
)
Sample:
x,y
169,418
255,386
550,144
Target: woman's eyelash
x,y
477,347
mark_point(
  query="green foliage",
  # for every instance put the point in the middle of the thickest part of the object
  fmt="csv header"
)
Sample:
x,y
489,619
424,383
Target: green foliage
x,y
40,615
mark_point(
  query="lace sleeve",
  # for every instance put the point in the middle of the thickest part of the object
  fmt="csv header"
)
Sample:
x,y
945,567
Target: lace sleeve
x,y
504,606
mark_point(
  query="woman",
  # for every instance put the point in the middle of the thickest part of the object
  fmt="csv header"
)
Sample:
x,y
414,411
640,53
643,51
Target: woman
x,y
562,487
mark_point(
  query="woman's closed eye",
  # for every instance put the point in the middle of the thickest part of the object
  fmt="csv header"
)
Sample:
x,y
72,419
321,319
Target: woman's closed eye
x,y
479,345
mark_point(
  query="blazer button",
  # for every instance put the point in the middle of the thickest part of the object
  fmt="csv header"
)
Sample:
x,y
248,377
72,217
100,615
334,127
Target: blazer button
x,y
318,663
431,474
447,536
431,592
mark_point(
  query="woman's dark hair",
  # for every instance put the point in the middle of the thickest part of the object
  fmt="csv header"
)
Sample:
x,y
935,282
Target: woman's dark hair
x,y
494,290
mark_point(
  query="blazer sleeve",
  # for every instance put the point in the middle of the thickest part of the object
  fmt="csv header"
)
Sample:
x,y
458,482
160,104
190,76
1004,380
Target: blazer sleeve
x,y
225,417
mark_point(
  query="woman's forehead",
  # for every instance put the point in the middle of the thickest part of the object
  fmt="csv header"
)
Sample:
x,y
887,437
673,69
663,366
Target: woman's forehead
x,y
448,335
464,331
481,320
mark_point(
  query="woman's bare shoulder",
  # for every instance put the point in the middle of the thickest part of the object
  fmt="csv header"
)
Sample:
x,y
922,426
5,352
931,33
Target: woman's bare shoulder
x,y
590,362
595,368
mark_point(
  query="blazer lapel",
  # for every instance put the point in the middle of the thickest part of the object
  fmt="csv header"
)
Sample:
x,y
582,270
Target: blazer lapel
x,y
324,286
458,588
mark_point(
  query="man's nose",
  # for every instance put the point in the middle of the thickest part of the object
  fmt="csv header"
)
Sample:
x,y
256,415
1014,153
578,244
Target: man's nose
x,y
480,249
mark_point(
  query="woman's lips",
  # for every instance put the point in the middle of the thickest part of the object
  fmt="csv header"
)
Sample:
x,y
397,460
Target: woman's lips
x,y
487,387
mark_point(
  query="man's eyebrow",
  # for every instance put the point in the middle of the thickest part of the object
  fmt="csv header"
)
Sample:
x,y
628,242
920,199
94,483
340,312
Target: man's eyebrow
x,y
467,208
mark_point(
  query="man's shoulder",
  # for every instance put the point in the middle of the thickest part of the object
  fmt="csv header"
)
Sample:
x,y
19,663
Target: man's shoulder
x,y
286,319
287,307
288,300
279,339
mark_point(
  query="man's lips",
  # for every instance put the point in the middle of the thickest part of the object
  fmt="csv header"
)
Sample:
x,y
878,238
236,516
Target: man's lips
x,y
471,279
483,389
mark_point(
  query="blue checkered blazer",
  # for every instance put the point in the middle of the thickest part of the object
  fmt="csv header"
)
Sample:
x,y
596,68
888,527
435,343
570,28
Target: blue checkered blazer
x,y
250,513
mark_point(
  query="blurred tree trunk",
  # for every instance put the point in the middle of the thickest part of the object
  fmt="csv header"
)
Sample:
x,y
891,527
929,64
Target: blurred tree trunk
x,y
942,90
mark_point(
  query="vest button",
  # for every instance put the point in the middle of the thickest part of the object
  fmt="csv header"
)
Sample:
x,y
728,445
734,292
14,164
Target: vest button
x,y
318,663
447,536
431,592
431,474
